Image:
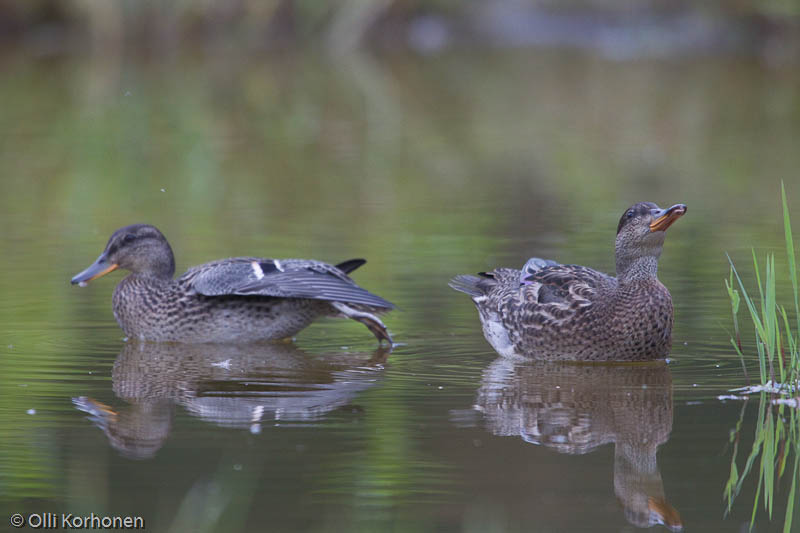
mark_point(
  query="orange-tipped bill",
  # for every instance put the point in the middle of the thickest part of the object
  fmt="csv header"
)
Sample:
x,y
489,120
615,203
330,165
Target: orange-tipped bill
x,y
665,514
666,217
99,268
96,409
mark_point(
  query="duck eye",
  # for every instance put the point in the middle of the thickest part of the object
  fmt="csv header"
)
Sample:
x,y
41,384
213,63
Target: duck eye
x,y
629,214
128,238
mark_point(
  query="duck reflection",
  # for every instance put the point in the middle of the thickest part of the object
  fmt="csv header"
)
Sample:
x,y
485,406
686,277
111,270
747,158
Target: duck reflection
x,y
574,408
234,386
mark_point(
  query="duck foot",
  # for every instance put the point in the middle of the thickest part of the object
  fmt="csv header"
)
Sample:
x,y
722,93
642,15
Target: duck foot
x,y
372,322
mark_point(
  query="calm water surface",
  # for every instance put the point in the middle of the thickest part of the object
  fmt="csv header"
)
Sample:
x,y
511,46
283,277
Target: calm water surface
x,y
428,168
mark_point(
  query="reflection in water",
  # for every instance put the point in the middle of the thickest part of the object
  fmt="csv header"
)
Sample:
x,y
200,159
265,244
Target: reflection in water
x,y
775,440
574,408
240,386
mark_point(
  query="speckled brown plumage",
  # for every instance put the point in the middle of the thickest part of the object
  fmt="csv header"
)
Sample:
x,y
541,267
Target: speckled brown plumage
x,y
240,299
553,311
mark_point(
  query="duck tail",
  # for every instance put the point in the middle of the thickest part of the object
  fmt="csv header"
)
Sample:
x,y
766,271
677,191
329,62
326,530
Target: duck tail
x,y
350,265
468,284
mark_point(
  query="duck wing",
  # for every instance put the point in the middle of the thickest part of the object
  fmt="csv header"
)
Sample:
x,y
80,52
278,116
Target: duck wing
x,y
567,285
283,278
549,297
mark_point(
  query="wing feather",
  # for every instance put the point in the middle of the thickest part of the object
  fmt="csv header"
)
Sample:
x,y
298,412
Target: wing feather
x,y
549,296
568,284
284,278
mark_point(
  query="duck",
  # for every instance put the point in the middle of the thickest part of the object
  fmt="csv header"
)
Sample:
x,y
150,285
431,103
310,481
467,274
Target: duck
x,y
553,311
238,299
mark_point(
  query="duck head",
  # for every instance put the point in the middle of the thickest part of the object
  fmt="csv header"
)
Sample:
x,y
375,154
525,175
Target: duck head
x,y
640,238
140,248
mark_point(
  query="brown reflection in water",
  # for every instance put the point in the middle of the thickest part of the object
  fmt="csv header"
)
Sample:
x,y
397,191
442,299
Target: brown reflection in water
x,y
574,408
240,386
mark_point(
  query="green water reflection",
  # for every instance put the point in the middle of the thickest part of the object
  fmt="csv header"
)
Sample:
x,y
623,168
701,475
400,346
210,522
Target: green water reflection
x,y
574,408
427,167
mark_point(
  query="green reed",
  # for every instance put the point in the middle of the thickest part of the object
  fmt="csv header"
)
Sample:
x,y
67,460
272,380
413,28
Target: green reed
x,y
776,446
777,434
776,338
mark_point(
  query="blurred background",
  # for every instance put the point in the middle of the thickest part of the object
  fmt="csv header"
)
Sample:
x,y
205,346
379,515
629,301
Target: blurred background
x,y
618,28
432,138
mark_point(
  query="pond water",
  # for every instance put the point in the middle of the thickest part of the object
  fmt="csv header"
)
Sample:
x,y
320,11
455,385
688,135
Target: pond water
x,y
427,167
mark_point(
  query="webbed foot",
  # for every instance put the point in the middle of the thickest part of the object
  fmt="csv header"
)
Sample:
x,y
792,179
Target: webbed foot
x,y
372,322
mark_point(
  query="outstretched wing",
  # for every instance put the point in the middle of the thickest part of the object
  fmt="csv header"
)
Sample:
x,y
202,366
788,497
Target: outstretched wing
x,y
284,278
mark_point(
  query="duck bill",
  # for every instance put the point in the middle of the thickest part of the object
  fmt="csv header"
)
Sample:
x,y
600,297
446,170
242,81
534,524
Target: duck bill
x,y
99,268
666,217
667,514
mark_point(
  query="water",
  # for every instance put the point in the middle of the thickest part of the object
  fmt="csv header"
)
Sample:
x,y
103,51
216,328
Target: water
x,y
428,168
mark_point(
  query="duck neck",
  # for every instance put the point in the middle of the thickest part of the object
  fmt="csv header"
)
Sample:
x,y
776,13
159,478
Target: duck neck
x,y
164,269
149,279
158,263
644,268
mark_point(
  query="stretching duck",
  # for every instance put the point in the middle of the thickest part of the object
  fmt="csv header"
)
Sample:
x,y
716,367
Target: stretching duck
x,y
553,311
241,299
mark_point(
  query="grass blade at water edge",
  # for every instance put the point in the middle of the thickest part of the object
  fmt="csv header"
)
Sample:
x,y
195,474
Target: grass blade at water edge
x,y
754,315
733,294
787,524
777,432
787,231
768,463
771,317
